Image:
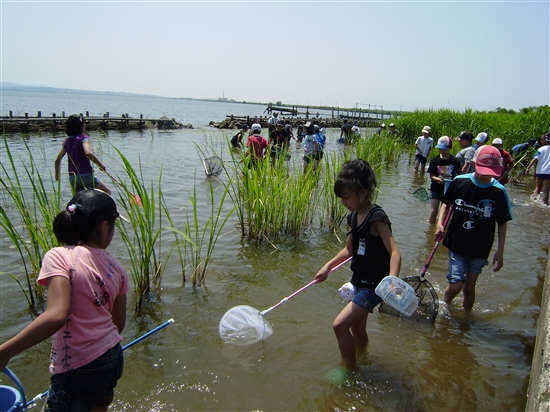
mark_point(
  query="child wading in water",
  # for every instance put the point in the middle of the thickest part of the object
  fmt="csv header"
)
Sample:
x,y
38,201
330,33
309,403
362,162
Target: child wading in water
x,y
79,150
375,255
480,203
86,310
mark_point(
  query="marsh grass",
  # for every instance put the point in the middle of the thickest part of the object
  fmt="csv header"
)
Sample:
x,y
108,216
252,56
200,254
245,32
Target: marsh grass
x,y
282,201
273,200
31,231
143,237
203,236
378,151
331,209
512,127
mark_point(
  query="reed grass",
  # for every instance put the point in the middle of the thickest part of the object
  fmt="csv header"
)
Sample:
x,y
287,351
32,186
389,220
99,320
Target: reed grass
x,y
283,201
331,211
36,205
203,239
380,150
143,237
272,201
512,127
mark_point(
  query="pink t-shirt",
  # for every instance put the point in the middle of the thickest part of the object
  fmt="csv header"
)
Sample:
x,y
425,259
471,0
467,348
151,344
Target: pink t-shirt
x,y
97,278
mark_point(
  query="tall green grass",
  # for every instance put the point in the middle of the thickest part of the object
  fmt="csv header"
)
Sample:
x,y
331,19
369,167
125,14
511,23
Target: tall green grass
x,y
203,236
283,201
272,201
331,210
146,208
511,127
29,226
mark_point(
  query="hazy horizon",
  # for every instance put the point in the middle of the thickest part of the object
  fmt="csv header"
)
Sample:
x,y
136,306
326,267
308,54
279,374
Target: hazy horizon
x,y
402,55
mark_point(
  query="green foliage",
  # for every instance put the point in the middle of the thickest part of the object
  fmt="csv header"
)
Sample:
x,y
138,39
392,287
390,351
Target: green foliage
x,y
512,127
274,200
283,201
29,226
203,240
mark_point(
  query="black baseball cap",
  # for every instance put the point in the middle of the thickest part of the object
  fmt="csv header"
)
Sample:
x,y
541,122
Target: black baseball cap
x,y
93,206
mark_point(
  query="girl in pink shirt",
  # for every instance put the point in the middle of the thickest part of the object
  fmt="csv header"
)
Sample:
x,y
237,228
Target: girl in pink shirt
x,y
86,308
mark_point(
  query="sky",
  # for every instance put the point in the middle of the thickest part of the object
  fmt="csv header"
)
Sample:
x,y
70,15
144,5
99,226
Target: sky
x,y
401,55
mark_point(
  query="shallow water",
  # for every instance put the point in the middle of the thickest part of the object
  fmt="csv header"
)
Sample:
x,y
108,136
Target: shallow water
x,y
463,362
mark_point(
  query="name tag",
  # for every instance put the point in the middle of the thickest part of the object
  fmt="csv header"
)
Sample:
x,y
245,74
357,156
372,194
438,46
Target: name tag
x,y
362,247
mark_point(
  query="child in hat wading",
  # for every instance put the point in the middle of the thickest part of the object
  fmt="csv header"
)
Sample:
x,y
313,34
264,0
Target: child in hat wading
x,y
479,203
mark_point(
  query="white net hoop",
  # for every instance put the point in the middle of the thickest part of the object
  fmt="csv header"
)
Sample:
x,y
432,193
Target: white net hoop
x,y
243,325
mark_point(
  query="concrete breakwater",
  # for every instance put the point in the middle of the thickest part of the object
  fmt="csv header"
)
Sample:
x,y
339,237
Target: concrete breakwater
x,y
235,122
538,394
105,122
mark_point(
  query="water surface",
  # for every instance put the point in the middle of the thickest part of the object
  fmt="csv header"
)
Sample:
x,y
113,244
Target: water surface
x,y
462,362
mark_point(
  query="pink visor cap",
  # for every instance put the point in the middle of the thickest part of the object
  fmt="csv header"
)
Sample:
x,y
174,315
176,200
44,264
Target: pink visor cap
x,y
488,161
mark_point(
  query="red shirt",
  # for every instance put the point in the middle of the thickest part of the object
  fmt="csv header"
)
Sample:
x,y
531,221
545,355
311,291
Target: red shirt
x,y
259,144
506,160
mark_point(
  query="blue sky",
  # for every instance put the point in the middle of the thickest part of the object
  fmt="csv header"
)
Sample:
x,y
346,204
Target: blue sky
x,y
399,54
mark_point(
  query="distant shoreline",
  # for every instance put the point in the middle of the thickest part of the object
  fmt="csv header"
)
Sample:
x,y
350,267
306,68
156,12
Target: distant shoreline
x,y
46,89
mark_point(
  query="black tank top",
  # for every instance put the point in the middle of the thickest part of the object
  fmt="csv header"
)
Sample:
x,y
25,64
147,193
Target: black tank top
x,y
371,260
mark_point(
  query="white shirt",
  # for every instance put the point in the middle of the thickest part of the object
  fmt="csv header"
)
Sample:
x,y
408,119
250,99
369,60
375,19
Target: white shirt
x,y
543,156
424,144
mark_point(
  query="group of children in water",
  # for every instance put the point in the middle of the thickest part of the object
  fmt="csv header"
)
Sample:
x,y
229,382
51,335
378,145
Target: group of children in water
x,y
86,307
311,136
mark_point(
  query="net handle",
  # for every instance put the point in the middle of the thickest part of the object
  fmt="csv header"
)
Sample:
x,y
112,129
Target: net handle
x,y
313,282
437,241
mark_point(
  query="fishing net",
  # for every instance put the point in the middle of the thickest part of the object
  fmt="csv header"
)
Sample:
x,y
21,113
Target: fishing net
x,y
421,193
428,302
244,325
213,166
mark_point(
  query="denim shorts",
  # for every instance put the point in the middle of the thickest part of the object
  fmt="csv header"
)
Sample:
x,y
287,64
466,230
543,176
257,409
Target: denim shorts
x,y
366,298
88,386
83,181
542,176
460,265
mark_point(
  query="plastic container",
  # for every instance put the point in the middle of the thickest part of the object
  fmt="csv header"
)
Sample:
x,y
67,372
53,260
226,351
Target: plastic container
x,y
398,294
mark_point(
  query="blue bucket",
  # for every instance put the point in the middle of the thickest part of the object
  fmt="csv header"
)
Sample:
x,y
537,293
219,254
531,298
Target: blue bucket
x,y
12,399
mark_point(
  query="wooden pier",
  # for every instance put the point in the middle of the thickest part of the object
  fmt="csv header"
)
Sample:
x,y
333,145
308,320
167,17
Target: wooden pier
x,y
372,112
105,122
371,117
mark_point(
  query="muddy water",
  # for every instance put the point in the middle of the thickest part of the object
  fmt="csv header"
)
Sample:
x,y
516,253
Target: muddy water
x,y
475,362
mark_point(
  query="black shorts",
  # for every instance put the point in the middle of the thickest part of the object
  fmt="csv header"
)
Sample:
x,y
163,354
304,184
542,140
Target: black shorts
x,y
421,158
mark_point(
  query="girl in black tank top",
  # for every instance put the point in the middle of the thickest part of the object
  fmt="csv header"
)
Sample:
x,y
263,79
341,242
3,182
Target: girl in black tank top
x,y
374,251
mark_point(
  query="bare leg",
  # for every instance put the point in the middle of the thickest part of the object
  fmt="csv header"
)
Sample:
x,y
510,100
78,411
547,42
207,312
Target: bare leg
x,y
545,191
469,291
351,317
538,188
434,209
359,332
452,290
104,187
